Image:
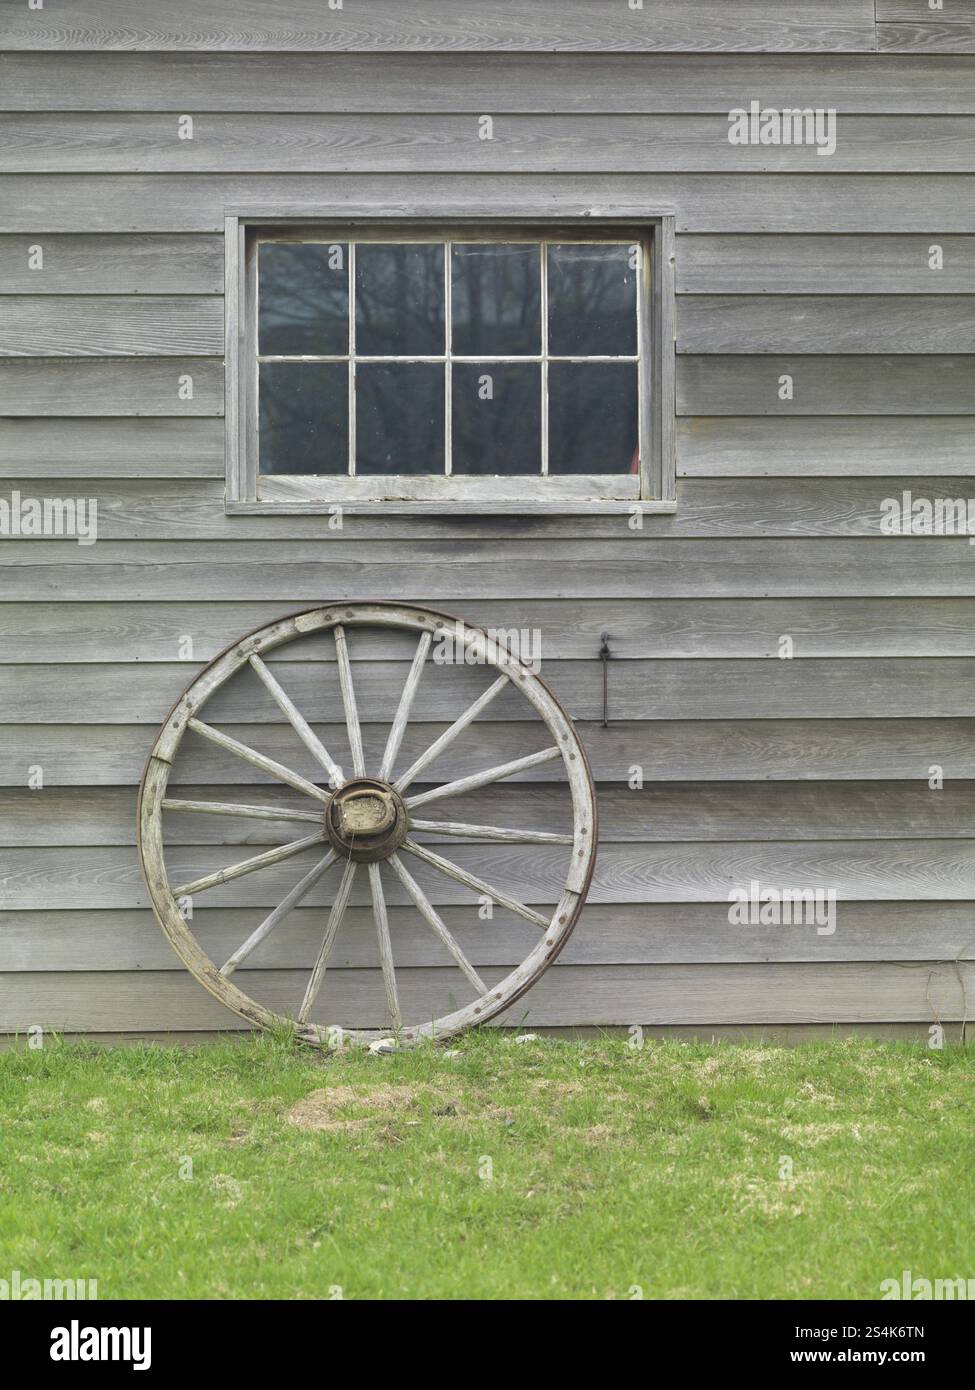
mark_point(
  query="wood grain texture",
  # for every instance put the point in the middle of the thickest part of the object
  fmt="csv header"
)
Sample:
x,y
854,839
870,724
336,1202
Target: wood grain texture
x,y
824,265
113,447
869,324
834,385
445,26
622,83
811,202
659,812
111,326
46,632
112,264
116,386
817,687
851,446
128,939
306,143
691,751
640,566
747,993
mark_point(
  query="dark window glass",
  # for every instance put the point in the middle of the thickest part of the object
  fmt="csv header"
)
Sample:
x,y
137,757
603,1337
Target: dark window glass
x,y
399,417
497,418
303,425
399,305
496,294
592,422
591,301
303,300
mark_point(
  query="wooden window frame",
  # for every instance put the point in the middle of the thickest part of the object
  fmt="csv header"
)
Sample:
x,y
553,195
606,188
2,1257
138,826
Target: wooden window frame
x,y
654,490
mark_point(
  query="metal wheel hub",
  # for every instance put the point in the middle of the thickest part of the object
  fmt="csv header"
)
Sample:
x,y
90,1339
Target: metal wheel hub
x,y
366,820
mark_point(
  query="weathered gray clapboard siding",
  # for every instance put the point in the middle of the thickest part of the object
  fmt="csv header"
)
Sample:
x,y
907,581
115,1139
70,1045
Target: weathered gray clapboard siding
x,y
821,265
113,325
666,628
817,687
117,447
694,751
863,870
847,446
661,812
766,993
111,264
812,202
445,26
303,143
449,573
622,934
869,324
715,508
536,82
814,770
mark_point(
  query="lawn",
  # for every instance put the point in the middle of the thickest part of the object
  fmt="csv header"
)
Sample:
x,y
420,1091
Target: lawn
x,y
547,1169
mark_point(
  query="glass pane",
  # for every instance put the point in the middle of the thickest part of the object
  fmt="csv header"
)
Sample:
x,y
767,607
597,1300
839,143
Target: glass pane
x,y
399,417
303,424
496,299
303,299
591,301
497,418
592,420
399,305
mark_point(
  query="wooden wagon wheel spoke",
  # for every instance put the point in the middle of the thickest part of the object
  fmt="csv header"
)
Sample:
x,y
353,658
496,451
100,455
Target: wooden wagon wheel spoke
x,y
251,755
348,702
249,866
483,779
430,914
293,898
367,817
448,736
298,721
454,871
490,832
385,946
328,940
229,808
405,705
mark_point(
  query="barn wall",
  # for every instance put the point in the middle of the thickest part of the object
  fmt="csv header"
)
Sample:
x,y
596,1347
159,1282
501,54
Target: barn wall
x,y
804,772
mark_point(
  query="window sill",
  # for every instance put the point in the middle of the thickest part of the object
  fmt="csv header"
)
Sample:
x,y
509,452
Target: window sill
x,y
473,507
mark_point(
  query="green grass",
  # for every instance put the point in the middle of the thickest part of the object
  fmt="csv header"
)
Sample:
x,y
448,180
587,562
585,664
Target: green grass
x,y
612,1168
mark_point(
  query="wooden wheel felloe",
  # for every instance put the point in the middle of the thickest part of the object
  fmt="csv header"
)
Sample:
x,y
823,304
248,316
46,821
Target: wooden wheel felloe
x,y
369,825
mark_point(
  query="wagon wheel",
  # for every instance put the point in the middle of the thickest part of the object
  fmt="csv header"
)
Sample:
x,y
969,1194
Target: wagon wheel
x,y
355,824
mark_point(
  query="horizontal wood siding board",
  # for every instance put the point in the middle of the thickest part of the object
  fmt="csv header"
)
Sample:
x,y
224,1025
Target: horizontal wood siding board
x,y
445,26
692,751
114,386
795,264
128,939
52,632
662,812
646,566
921,991
869,324
756,507
111,263
850,446
834,385
812,202
826,688
303,143
927,38
857,870
113,447
111,326
498,82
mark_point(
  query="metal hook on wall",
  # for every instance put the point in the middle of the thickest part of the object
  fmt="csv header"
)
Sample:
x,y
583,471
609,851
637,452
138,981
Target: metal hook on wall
x,y
604,656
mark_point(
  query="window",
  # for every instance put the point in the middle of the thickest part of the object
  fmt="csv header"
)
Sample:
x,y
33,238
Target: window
x,y
464,366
